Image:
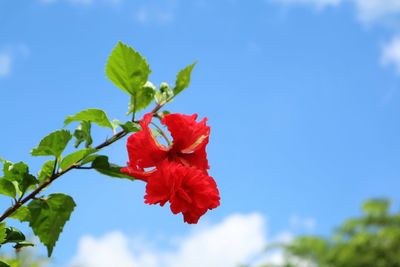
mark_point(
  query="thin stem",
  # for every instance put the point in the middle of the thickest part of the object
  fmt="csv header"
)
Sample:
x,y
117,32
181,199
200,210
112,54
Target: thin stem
x,y
33,194
57,174
134,107
83,168
157,108
162,133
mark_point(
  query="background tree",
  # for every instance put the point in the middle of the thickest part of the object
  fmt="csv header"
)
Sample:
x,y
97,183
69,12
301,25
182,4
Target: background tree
x,y
372,240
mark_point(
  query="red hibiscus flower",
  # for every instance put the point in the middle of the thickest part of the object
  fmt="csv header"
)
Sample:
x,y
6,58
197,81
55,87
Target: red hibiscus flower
x,y
188,147
189,190
176,173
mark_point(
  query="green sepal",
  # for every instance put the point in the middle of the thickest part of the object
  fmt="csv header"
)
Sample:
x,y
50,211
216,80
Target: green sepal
x,y
53,144
13,235
48,217
183,79
82,133
127,69
128,126
142,98
23,244
102,165
164,94
94,115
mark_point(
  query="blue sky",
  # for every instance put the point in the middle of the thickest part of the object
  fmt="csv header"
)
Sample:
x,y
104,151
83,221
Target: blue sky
x,y
302,97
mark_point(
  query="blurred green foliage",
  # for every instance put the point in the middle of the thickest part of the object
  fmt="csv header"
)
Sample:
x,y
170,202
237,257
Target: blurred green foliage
x,y
371,240
23,258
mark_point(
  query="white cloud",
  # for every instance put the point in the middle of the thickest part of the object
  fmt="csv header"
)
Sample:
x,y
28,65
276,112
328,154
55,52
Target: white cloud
x,y
237,239
239,236
391,53
5,64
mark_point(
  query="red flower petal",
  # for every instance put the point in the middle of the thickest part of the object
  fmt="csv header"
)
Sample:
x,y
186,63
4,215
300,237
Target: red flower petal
x,y
189,190
143,150
137,173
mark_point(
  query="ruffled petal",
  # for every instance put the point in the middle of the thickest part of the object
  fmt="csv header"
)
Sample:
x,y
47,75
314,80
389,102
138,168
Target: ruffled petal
x,y
190,139
189,190
160,185
197,158
188,134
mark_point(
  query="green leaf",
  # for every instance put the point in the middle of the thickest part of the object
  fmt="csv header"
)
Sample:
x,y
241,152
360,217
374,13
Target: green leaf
x,y
94,115
3,264
75,157
53,144
102,165
22,214
127,69
18,174
141,99
46,171
48,217
183,79
3,232
15,171
7,188
89,159
82,133
29,182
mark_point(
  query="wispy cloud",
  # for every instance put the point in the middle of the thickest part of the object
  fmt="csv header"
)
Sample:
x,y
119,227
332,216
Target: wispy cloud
x,y
147,15
367,11
297,222
319,4
391,53
235,240
82,2
156,12
384,13
377,11
5,64
9,54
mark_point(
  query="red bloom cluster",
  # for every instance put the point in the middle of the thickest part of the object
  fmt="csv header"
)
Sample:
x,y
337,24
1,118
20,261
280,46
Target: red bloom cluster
x,y
178,173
